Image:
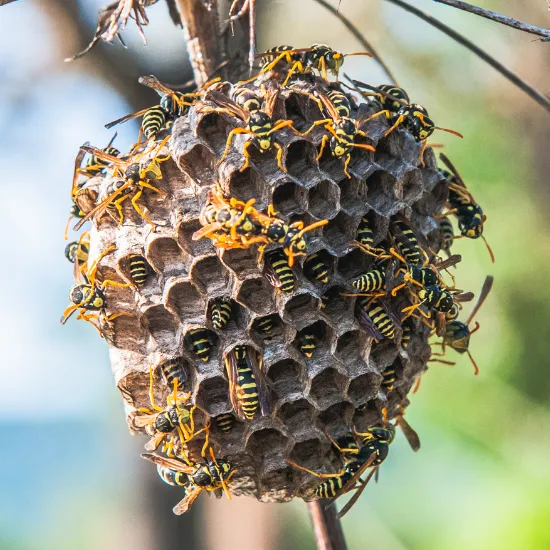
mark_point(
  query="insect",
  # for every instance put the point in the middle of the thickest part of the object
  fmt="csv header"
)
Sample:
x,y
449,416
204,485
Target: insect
x,y
176,417
278,272
89,299
225,422
317,269
318,56
389,377
139,269
132,179
247,99
247,388
457,334
265,325
469,214
342,128
365,239
259,125
411,116
307,342
171,106
200,341
407,243
447,234
95,165
374,318
407,328
371,281
173,371
77,253
220,313
211,475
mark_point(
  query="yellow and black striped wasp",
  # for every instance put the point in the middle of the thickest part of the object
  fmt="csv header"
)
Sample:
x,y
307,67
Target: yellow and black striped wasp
x,y
225,422
457,334
376,317
172,105
77,253
88,297
173,371
302,60
247,387
342,128
278,272
220,312
211,475
307,341
176,417
260,125
200,341
411,116
138,269
469,214
130,178
316,268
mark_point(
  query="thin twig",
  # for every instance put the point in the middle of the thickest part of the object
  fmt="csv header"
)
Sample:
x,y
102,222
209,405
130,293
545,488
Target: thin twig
x,y
357,33
327,529
532,92
493,16
4,2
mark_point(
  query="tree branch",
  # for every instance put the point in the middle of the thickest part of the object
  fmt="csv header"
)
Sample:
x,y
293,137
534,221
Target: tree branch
x,y
360,37
5,2
327,529
493,16
532,92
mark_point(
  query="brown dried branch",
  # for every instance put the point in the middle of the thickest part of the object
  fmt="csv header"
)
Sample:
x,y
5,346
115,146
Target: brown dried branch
x,y
113,19
493,16
249,6
532,92
360,37
326,527
5,2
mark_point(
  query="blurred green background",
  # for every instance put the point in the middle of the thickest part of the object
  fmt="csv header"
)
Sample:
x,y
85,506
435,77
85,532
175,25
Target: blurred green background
x,y
71,476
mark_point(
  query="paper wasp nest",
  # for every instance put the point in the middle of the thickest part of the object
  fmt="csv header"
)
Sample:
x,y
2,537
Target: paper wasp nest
x,y
339,387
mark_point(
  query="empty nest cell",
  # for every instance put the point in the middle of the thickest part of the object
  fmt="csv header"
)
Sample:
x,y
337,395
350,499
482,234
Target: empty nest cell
x,y
184,299
324,200
210,275
164,254
213,395
286,377
328,387
256,294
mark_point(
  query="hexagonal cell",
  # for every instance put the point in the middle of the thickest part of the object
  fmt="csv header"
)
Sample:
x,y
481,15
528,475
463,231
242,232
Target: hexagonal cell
x,y
310,452
413,186
170,369
340,230
256,294
313,339
369,415
299,105
296,414
162,325
300,162
425,206
166,257
221,303
381,193
353,193
336,306
301,307
362,160
315,266
350,345
210,275
247,185
354,264
363,388
185,240
201,156
337,415
213,129
288,197
241,261
213,395
327,387
268,326
265,444
184,299
384,353
127,333
286,377
324,200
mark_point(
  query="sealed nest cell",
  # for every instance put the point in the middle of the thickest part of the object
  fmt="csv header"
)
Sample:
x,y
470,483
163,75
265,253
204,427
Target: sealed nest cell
x,y
262,347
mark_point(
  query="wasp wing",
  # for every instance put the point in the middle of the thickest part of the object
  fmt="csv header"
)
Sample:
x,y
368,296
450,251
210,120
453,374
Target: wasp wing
x,y
366,322
78,166
409,433
170,463
125,118
153,83
485,289
233,377
186,502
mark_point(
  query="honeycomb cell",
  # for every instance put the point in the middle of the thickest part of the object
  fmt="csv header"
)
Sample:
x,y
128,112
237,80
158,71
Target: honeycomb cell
x,y
135,268
268,326
381,195
353,193
324,200
340,231
268,445
296,414
286,377
300,308
322,335
210,275
213,130
162,325
248,185
412,186
128,334
338,308
369,415
257,295
354,264
193,248
311,268
201,156
213,395
241,261
338,415
166,257
288,198
185,301
363,388
301,164
350,346
312,453
327,387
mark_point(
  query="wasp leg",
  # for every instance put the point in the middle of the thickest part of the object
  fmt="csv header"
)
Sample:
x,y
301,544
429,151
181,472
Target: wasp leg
x,y
138,209
322,148
323,476
280,157
346,162
118,206
246,155
297,66
324,122
397,123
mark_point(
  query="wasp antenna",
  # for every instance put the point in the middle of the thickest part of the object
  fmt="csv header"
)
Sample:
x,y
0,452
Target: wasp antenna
x,y
476,368
489,249
368,54
312,226
448,130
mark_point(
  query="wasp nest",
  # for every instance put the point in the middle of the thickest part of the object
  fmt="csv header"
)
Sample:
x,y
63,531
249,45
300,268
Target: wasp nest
x,y
185,305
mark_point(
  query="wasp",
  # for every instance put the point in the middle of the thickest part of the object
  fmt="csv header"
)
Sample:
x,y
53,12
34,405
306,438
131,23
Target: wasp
x,y
173,371
411,116
96,165
172,105
176,417
375,319
278,272
265,325
371,281
342,129
307,342
406,241
457,334
77,253
88,298
260,125
220,313
139,269
211,475
200,341
407,328
469,214
131,178
365,239
225,422
447,235
302,60
316,269
247,388
247,99
389,377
